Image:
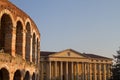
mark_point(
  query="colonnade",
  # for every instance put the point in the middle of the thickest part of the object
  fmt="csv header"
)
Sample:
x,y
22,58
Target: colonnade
x,y
64,70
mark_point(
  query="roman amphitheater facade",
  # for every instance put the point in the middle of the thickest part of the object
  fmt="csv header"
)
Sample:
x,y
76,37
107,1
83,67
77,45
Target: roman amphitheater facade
x,y
19,44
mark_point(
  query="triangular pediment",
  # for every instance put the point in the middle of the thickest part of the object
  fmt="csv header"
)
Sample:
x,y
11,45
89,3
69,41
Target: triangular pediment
x,y
68,53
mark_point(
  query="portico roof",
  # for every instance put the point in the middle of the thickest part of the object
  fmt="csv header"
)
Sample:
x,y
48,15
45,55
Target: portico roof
x,y
87,55
95,56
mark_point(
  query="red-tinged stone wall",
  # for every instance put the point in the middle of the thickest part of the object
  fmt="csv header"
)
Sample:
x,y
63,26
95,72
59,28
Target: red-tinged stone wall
x,y
19,44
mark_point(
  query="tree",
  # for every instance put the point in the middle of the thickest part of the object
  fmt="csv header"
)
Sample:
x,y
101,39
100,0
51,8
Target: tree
x,y
116,67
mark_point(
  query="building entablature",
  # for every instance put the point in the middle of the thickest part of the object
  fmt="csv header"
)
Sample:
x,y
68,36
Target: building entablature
x,y
65,59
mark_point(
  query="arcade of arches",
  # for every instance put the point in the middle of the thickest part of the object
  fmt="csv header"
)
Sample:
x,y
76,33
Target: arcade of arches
x,y
19,44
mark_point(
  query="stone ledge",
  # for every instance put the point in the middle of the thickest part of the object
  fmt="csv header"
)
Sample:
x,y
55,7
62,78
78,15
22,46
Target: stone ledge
x,y
7,58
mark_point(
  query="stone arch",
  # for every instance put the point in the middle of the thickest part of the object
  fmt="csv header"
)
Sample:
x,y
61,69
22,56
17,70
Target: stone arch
x,y
6,29
33,76
4,74
19,38
28,41
28,21
27,76
33,47
17,75
5,11
19,19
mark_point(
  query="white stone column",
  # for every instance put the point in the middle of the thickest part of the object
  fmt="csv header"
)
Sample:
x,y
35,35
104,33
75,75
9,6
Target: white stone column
x,y
66,70
90,69
72,71
49,70
88,72
100,72
83,71
85,76
56,70
61,70
104,74
95,72
77,71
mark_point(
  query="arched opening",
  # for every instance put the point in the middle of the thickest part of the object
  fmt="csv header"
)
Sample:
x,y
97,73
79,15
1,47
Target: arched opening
x,y
17,75
4,74
33,76
19,38
6,33
28,42
27,76
33,48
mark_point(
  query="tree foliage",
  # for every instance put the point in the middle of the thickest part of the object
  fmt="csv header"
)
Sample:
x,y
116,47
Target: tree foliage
x,y
116,67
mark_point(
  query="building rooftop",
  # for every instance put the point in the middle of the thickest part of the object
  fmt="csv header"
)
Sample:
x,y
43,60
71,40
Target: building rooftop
x,y
95,56
88,55
46,53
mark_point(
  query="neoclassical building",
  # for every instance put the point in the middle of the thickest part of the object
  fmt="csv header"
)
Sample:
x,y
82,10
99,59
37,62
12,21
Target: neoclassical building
x,y
19,44
72,65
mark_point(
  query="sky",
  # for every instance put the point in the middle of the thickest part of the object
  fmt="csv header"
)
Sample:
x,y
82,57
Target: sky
x,y
87,26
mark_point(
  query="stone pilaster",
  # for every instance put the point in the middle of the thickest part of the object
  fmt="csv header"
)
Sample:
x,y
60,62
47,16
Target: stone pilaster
x,y
13,42
23,45
31,49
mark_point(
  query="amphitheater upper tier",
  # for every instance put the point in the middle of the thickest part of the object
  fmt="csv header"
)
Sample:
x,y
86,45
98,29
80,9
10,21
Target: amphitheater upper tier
x,y
19,44
17,21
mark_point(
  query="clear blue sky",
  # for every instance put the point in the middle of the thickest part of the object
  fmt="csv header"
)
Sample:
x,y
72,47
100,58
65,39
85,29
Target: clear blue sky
x,y
91,26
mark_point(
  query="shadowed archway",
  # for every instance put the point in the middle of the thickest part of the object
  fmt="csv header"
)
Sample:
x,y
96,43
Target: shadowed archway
x,y
6,33
34,48
27,76
33,76
4,74
28,42
17,75
19,38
